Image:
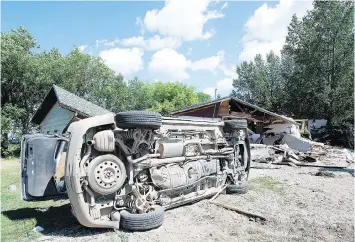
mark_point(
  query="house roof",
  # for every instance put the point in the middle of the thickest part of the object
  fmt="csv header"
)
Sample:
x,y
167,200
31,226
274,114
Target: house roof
x,y
195,106
237,100
68,101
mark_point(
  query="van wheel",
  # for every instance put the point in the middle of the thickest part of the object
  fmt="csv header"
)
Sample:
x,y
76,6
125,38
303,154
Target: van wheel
x,y
143,221
138,119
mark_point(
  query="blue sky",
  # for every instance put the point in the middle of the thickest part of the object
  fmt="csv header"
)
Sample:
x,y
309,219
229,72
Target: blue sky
x,y
196,42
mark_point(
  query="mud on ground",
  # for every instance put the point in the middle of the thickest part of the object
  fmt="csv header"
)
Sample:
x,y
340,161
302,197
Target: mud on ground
x,y
298,206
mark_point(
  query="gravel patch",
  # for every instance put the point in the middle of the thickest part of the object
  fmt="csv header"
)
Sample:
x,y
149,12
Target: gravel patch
x,y
298,206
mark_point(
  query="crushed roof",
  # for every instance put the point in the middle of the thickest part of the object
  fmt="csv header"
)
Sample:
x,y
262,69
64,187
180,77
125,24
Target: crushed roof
x,y
188,108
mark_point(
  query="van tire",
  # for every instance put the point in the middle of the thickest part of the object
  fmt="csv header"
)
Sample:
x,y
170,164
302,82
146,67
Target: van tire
x,y
138,119
143,221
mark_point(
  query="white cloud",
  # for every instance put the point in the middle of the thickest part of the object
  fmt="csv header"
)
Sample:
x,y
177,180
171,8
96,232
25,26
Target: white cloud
x,y
157,43
181,19
254,47
209,63
124,61
225,5
266,29
169,64
224,87
154,43
229,70
137,41
189,51
111,43
100,42
214,14
82,48
209,91
141,25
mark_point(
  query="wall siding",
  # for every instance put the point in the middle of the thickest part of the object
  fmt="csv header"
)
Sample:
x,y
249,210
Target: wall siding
x,y
56,120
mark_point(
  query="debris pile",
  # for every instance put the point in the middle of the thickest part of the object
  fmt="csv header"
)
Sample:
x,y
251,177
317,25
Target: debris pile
x,y
301,152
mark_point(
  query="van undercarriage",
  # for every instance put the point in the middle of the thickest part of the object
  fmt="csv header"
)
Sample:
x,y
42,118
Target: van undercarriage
x,y
125,170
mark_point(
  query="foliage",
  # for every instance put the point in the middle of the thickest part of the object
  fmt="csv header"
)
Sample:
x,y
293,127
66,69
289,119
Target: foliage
x,y
259,82
10,116
161,97
27,75
174,95
313,77
321,47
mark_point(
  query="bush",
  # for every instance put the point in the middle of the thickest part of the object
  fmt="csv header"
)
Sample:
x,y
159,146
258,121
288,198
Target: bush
x,y
339,135
12,150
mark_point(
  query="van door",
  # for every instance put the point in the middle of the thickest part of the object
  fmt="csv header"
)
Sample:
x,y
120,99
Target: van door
x,y
41,157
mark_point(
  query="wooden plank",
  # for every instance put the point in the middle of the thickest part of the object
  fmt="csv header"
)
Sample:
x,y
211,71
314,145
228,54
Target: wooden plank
x,y
223,111
225,103
241,109
239,114
223,108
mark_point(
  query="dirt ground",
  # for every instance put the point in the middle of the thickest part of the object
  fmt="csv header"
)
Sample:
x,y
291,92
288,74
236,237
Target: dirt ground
x,y
298,206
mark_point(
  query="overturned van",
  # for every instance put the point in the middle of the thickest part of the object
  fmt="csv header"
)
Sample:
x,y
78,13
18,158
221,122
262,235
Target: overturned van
x,y
125,170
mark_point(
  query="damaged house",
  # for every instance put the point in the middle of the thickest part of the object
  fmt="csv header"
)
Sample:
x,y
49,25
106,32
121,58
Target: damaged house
x,y
265,127
275,138
259,120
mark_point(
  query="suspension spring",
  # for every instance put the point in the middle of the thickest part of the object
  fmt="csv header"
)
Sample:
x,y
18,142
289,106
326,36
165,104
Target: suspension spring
x,y
127,134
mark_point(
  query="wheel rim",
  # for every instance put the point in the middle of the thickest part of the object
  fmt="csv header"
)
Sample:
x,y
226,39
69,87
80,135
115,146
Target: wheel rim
x,y
107,173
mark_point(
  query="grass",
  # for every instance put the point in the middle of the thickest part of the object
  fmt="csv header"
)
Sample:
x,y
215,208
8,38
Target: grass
x,y
18,218
266,183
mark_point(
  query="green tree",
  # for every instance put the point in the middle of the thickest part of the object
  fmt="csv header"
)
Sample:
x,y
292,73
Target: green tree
x,y
27,76
111,94
313,78
140,95
16,75
244,84
318,51
259,81
170,96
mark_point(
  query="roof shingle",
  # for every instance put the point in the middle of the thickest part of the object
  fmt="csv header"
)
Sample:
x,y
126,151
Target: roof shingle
x,y
78,104
69,101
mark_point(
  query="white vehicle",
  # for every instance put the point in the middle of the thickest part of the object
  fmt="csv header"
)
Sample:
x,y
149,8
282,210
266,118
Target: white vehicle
x,y
125,170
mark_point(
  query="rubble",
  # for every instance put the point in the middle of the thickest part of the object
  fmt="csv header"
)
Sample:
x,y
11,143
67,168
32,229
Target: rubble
x,y
261,153
299,143
290,149
301,153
